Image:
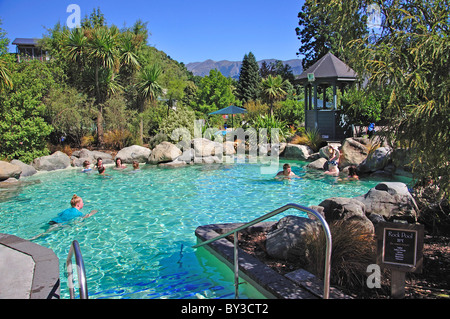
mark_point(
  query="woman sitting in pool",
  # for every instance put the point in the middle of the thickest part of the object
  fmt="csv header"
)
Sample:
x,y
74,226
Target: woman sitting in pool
x,y
333,161
119,164
352,175
286,173
99,163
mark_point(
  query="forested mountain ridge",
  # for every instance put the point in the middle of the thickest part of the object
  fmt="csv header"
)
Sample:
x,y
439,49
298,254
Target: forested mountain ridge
x,y
232,68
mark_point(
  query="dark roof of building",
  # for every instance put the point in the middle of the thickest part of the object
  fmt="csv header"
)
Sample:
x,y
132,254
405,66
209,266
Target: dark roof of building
x,y
329,67
26,41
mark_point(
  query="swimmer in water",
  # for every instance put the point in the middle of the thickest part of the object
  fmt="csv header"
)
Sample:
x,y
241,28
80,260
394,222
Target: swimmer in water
x,y
67,215
86,167
119,164
286,172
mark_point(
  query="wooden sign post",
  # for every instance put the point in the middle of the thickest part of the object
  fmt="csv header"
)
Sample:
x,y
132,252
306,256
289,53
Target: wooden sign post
x,y
400,248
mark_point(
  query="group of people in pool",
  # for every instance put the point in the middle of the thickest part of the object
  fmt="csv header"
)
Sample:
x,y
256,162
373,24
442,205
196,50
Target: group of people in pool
x,y
331,167
101,168
77,202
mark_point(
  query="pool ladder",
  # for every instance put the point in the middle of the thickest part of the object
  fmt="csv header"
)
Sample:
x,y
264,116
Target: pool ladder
x,y
326,229
75,249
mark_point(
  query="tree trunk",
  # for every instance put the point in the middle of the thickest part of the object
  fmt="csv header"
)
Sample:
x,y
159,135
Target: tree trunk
x,y
100,109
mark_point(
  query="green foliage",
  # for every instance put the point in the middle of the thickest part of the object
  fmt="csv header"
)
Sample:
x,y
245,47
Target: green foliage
x,y
270,122
320,33
70,113
215,92
314,139
292,112
277,68
362,107
183,118
248,86
22,127
411,56
273,89
4,41
255,109
148,86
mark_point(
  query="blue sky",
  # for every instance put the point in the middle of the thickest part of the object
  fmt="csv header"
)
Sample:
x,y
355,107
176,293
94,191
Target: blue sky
x,y
188,31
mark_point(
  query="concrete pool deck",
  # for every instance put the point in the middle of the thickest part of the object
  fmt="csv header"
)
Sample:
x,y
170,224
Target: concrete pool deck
x,y
27,270
298,284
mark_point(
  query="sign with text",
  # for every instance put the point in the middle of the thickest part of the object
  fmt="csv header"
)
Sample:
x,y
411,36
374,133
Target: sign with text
x,y
400,246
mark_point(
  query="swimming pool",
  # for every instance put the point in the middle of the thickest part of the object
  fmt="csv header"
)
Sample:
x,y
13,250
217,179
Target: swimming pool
x,y
139,243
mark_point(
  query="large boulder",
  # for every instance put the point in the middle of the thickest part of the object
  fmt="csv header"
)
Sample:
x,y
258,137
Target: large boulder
x,y
287,240
57,160
27,170
354,151
375,161
318,163
205,148
392,200
8,170
228,148
297,152
78,157
134,153
164,152
346,209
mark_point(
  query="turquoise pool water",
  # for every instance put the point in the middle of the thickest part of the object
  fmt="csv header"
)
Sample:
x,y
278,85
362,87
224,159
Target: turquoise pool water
x,y
139,243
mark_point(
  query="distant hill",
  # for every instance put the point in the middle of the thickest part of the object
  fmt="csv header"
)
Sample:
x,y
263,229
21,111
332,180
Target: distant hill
x,y
232,68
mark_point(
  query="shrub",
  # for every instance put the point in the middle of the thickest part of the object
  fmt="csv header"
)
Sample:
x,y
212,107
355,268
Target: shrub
x,y
117,139
314,139
270,122
352,251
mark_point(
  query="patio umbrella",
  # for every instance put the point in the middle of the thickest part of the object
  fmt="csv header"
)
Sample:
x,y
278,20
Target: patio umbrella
x,y
232,109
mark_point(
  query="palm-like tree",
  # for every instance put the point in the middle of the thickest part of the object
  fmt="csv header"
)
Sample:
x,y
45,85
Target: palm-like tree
x,y
101,51
148,89
5,80
273,90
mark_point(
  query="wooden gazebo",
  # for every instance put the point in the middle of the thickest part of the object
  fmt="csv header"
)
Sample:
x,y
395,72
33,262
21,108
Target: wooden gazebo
x,y
328,71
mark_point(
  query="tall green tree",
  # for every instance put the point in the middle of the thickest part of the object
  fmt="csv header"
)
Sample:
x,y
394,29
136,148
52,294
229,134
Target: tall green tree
x,y
99,52
149,89
248,86
215,92
319,33
411,56
5,80
23,130
273,89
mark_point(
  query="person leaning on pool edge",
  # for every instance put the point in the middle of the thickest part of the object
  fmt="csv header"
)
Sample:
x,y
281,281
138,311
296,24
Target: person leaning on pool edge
x,y
70,213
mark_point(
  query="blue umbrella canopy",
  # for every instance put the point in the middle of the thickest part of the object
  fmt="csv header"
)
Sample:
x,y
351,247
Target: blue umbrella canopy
x,y
232,109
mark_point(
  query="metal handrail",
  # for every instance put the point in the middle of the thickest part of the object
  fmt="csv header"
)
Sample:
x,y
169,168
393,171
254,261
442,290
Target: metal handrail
x,y
326,229
75,248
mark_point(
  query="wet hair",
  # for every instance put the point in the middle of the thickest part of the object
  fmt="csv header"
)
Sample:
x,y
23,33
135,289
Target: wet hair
x,y
86,163
286,166
98,159
352,171
75,200
118,158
